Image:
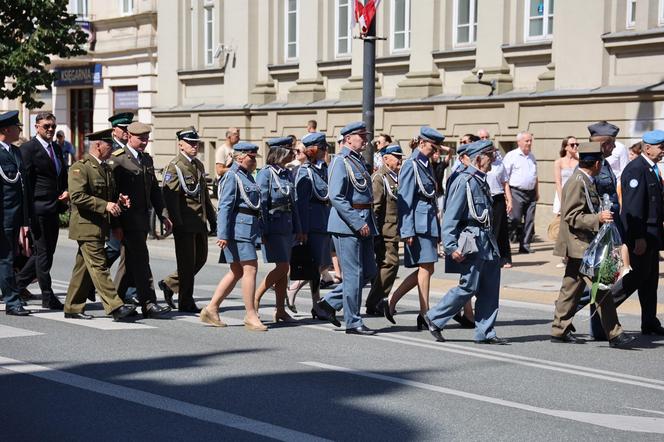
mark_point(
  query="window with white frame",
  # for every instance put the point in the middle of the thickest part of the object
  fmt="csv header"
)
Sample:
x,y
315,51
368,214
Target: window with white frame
x,y
631,14
400,40
291,29
661,12
465,22
539,19
79,7
343,37
126,7
208,33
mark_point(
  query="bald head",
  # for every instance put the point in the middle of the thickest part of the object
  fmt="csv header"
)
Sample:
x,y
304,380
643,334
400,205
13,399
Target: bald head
x,y
483,134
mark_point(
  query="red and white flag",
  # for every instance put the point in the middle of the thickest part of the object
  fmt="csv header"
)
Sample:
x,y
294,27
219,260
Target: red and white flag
x,y
365,11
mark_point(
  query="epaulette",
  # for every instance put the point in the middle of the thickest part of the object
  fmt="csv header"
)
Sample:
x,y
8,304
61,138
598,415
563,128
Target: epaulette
x,y
118,152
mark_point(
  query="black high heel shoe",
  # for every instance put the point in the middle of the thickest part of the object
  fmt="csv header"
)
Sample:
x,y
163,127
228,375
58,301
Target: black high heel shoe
x,y
421,323
385,307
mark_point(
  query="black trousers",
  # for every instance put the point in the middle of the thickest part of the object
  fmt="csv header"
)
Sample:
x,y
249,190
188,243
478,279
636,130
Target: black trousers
x,y
643,277
137,267
523,208
45,236
500,228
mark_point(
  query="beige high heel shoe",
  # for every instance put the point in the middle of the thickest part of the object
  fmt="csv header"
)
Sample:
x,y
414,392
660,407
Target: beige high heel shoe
x,y
207,318
254,327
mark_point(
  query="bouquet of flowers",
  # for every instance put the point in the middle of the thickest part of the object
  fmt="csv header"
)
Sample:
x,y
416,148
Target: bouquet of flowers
x,y
602,260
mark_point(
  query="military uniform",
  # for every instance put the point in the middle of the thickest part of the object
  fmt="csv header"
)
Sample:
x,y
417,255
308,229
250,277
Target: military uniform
x,y
135,177
386,244
467,221
351,200
91,187
238,218
579,222
190,208
16,212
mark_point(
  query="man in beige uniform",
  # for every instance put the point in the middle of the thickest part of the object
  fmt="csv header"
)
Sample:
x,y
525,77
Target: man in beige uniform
x,y
580,218
189,206
95,207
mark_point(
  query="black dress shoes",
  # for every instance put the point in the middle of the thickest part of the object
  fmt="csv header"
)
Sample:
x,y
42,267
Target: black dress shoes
x,y
78,316
526,249
656,330
463,321
123,312
376,310
494,341
621,341
433,329
324,311
326,284
154,311
52,303
168,294
567,338
193,308
18,311
361,330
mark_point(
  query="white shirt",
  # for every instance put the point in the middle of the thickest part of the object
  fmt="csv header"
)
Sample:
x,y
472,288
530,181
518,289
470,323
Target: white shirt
x,y
133,151
119,142
4,145
497,177
521,169
618,159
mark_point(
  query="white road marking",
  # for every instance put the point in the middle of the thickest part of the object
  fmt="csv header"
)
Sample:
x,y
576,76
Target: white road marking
x,y
639,424
100,323
13,332
156,401
197,320
34,308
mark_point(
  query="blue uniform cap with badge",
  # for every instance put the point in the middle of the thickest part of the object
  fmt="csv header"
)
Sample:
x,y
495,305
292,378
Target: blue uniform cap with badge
x,y
479,147
246,147
432,135
280,142
122,119
356,127
315,139
590,151
603,129
9,119
392,149
188,134
653,137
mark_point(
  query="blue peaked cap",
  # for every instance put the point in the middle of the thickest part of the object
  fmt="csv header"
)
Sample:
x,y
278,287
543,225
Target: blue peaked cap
x,y
280,142
478,147
431,135
314,139
354,127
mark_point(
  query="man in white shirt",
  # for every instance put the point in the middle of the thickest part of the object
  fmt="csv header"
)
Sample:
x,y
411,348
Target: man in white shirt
x,y
521,169
223,157
618,159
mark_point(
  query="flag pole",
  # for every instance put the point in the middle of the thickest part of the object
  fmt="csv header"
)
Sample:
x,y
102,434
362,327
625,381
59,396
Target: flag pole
x,y
368,89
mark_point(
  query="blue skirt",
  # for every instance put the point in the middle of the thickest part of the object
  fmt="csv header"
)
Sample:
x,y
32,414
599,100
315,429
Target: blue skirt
x,y
319,245
423,251
237,251
277,248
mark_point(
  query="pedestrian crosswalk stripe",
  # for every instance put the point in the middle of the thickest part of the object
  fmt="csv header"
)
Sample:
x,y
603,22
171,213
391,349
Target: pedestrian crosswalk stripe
x,y
13,332
100,323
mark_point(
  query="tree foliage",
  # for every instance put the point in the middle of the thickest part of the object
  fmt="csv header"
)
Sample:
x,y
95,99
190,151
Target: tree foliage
x,y
31,31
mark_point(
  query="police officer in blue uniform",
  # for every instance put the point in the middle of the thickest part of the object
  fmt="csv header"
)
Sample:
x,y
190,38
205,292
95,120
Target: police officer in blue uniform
x,y
238,229
418,222
15,209
471,249
280,221
313,206
352,226
643,216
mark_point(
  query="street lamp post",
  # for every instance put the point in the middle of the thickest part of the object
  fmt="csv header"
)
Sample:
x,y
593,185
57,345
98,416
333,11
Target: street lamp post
x,y
368,89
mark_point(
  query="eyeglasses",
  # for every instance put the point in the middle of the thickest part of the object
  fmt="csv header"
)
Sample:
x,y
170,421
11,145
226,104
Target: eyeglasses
x,y
49,126
573,144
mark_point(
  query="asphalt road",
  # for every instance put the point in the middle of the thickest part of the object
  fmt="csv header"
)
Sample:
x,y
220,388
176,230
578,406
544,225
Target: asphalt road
x,y
180,380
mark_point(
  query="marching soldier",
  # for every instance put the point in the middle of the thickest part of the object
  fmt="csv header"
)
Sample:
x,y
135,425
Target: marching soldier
x,y
580,219
470,248
96,207
15,209
418,222
352,226
386,245
133,171
188,203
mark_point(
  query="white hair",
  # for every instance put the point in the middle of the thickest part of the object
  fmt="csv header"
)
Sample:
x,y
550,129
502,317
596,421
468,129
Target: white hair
x,y
522,134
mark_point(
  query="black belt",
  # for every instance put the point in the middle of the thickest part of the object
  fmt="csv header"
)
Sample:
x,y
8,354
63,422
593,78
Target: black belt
x,y
522,190
251,212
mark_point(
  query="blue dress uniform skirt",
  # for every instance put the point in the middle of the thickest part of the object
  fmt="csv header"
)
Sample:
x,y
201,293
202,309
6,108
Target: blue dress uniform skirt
x,y
424,250
278,247
319,245
237,251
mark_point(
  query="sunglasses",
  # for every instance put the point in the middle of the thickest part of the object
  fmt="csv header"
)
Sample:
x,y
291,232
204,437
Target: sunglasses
x,y
49,126
573,144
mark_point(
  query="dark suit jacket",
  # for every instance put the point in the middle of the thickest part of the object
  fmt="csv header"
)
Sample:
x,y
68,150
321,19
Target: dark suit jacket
x,y
15,211
45,185
139,182
642,211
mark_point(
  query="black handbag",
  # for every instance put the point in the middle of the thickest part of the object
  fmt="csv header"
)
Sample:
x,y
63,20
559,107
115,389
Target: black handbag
x,y
302,264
